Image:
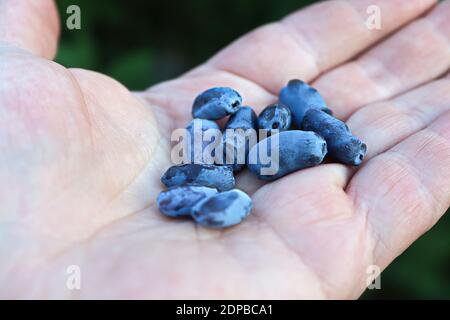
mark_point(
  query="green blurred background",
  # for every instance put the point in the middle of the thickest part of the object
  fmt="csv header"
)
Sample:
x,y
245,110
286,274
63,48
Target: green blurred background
x,y
144,42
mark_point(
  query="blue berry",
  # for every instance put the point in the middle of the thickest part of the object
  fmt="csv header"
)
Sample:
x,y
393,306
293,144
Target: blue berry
x,y
223,210
300,97
342,145
202,125
216,103
243,123
178,201
245,118
208,175
275,116
296,150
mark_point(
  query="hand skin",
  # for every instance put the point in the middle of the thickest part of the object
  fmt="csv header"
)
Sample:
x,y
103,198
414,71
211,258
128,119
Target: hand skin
x,y
81,158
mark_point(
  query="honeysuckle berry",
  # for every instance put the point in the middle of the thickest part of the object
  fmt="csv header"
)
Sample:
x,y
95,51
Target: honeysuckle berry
x,y
208,175
178,201
205,191
286,152
202,125
216,103
299,97
223,210
237,143
244,118
275,117
342,145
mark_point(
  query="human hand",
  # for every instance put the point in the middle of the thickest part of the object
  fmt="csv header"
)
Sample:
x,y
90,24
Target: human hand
x,y
81,158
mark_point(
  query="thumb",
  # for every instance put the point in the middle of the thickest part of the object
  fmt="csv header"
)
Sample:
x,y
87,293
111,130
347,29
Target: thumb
x,y
32,25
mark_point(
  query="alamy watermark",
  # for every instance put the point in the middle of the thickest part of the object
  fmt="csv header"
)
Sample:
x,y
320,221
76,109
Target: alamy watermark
x,y
373,22
73,21
73,281
211,146
373,280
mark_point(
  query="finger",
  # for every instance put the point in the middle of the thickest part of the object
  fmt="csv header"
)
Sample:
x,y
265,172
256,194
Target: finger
x,y
304,189
312,40
414,55
383,125
303,210
311,213
268,57
30,25
404,191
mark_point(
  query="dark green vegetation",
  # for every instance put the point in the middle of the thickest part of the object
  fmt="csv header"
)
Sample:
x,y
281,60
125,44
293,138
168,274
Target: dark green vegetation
x,y
143,42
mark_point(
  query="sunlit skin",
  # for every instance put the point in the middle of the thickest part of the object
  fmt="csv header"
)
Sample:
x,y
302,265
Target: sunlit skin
x,y
81,158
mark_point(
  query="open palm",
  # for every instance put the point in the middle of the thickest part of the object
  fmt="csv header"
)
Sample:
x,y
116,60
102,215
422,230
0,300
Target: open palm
x,y
81,158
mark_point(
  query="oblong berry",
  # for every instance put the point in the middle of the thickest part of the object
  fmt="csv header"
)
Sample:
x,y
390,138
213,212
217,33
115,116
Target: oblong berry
x,y
275,116
342,145
300,97
244,118
286,152
178,201
202,126
216,103
207,175
223,210
241,129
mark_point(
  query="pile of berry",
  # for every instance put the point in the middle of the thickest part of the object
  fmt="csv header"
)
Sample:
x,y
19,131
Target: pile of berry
x,y
300,125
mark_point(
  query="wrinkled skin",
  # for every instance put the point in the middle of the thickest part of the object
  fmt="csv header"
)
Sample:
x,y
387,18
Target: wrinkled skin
x,y
81,158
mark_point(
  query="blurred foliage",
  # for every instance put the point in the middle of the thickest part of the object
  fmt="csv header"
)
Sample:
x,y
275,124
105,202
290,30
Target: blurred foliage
x,y
144,42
